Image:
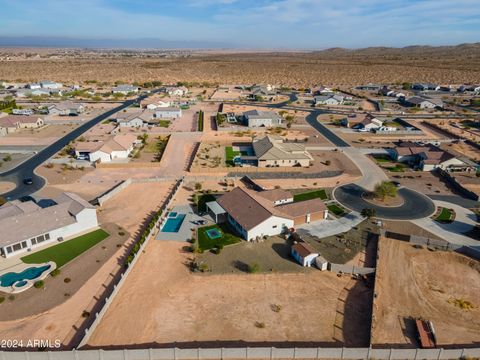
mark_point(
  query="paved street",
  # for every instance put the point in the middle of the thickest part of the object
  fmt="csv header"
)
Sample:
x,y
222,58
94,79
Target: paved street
x,y
27,168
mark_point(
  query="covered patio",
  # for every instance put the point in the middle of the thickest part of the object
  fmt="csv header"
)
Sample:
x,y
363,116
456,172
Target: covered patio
x,y
216,211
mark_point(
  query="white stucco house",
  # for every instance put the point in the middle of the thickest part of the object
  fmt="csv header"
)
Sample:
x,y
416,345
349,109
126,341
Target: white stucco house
x,y
26,226
176,91
258,118
124,89
254,214
328,100
424,103
168,113
117,147
47,84
66,108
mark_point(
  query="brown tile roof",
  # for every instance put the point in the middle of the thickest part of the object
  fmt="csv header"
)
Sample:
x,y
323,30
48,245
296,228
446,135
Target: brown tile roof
x,y
303,249
11,120
246,210
302,208
275,194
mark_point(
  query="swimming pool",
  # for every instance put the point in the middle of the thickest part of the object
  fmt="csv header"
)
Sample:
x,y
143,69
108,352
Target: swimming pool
x,y
31,273
173,224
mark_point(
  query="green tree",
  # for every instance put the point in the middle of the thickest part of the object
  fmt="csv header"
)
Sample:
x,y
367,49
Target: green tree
x,y
385,189
368,212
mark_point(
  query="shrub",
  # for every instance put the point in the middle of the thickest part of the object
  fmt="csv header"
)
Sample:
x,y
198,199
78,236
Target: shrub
x,y
85,313
203,267
253,268
121,233
67,280
39,284
260,324
276,308
328,162
55,272
2,299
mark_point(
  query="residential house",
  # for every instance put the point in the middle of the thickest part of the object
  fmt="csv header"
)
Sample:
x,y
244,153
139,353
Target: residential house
x,y
368,123
424,103
272,151
444,88
158,104
304,253
47,84
253,215
26,226
114,148
260,118
168,113
11,123
384,90
34,86
27,112
369,87
424,86
328,100
322,90
429,157
125,89
135,119
66,108
176,90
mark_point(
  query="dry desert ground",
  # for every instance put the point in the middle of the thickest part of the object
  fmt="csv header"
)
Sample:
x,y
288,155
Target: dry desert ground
x,y
457,64
414,283
162,302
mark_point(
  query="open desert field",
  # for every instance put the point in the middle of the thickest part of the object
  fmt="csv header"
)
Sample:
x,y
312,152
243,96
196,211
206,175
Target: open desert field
x,y
455,64
415,283
179,307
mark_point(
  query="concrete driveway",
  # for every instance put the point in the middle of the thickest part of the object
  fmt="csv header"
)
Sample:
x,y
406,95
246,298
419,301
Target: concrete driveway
x,y
465,220
325,228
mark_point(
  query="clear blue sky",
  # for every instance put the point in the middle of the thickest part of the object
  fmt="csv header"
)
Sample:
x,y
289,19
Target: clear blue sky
x,y
311,24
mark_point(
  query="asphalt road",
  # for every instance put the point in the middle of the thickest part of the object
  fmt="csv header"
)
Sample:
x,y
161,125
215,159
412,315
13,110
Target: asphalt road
x,y
415,206
322,129
27,168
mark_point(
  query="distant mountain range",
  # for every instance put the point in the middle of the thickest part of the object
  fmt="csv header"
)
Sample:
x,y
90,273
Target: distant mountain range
x,y
143,43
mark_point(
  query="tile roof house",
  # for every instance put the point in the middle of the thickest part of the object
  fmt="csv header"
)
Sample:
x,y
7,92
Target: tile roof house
x,y
27,226
124,89
135,119
424,103
259,118
116,147
328,100
253,214
429,157
272,151
367,123
66,108
11,123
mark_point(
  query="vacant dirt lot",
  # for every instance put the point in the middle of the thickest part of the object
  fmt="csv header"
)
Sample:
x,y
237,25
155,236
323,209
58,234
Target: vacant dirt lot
x,y
420,283
180,307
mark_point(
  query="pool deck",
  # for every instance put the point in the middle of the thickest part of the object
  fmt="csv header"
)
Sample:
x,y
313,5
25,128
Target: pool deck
x,y
185,231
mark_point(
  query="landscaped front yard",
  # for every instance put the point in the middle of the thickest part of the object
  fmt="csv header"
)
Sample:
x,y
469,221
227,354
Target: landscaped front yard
x,y
336,209
227,237
322,194
445,215
68,250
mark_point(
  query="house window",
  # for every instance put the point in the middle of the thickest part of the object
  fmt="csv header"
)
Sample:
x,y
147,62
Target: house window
x,y
17,247
33,241
274,226
9,249
47,236
24,244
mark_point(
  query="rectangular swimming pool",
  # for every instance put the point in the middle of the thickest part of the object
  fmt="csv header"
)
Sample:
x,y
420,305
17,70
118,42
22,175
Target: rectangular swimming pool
x,y
173,224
